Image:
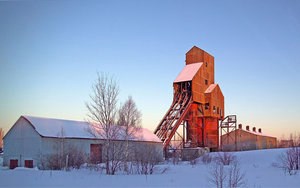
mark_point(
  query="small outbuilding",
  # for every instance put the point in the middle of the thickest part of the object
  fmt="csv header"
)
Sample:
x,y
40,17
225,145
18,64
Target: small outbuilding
x,y
31,141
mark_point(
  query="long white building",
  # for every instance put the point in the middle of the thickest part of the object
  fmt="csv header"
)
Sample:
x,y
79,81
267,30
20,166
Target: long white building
x,y
31,139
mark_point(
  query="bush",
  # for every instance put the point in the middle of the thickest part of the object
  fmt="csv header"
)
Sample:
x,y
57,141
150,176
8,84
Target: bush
x,y
231,175
290,160
225,158
72,157
217,175
206,158
75,157
236,178
146,158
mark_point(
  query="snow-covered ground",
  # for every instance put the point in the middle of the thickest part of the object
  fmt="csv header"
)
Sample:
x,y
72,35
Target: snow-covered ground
x,y
257,165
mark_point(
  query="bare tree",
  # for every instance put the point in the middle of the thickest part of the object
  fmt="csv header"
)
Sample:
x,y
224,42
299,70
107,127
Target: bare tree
x,y
129,117
217,175
290,160
230,175
102,115
236,178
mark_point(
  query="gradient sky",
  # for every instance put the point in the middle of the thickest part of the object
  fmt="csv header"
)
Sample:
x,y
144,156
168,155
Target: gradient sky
x,y
50,52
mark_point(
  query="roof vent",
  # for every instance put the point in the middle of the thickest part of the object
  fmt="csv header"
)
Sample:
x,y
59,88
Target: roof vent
x,y
259,130
247,128
254,129
240,126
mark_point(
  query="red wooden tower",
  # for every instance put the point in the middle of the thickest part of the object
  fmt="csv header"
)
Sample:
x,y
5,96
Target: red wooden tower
x,y
197,107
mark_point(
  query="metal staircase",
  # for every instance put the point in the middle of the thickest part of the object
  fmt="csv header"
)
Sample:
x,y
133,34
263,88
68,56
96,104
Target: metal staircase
x,y
175,115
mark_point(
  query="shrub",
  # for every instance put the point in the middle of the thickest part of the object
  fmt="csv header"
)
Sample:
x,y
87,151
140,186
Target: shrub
x,y
206,158
236,178
225,158
217,175
146,158
232,176
72,157
290,160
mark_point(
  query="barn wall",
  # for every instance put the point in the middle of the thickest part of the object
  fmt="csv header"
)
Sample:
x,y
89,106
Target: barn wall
x,y
62,145
54,145
1,138
248,141
22,142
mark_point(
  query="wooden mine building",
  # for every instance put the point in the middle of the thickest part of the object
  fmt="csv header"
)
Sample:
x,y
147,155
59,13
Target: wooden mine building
x,y
197,107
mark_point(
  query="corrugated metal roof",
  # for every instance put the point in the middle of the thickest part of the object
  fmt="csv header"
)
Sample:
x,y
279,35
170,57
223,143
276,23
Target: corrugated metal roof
x,y
49,127
188,72
251,132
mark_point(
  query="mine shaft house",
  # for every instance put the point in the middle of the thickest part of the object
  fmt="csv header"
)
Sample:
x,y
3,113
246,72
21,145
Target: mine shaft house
x,y
31,141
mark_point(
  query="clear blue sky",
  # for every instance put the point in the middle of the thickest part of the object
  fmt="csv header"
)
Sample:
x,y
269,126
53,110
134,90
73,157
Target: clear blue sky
x,y
50,52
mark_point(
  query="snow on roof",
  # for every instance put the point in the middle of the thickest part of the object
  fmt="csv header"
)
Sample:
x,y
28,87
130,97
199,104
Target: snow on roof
x,y
49,127
252,132
256,133
210,88
188,72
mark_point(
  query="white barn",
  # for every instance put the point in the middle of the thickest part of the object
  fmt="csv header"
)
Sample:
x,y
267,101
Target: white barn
x,y
32,138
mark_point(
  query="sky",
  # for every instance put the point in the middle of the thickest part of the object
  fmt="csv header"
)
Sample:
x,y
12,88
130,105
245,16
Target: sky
x,y
51,51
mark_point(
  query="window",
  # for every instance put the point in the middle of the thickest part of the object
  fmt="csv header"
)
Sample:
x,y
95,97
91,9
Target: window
x,y
206,64
13,163
206,82
29,163
217,110
214,109
206,106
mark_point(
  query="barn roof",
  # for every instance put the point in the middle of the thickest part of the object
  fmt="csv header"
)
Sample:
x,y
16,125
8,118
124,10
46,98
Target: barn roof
x,y
49,127
188,72
251,132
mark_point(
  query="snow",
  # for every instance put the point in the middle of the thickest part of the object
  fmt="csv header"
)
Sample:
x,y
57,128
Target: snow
x,y
49,127
257,133
257,166
210,88
188,72
146,135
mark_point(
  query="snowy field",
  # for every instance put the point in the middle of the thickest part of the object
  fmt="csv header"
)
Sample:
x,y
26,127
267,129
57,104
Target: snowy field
x,y
258,167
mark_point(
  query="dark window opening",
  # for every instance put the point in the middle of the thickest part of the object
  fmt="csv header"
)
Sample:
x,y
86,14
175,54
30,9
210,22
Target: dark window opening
x,y
206,106
206,82
206,64
217,110
183,87
214,109
29,163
